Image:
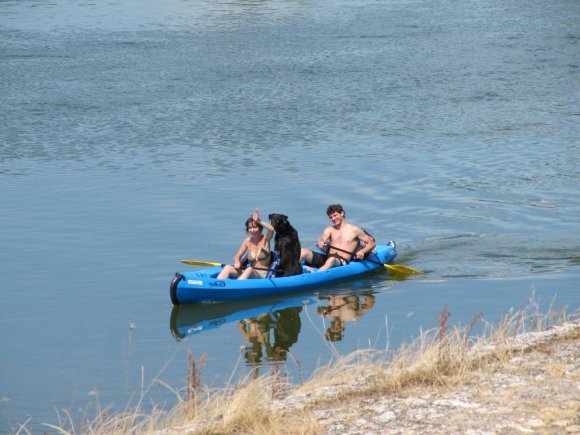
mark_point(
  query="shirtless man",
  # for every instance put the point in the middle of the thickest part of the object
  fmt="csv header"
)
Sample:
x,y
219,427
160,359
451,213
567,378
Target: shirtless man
x,y
342,235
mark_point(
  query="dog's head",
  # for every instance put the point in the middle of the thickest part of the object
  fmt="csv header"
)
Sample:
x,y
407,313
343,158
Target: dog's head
x,y
279,222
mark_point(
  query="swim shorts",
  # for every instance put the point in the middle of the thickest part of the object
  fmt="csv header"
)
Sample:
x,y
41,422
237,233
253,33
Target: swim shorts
x,y
319,259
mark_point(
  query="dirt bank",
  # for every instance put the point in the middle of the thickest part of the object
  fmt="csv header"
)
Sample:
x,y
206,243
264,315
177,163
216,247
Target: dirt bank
x,y
506,384
535,389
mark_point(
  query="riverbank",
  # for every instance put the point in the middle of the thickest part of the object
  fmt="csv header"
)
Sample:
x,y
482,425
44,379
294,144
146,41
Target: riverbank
x,y
534,388
527,384
511,380
508,382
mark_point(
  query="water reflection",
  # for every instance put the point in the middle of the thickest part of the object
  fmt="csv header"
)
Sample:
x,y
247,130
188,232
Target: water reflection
x,y
256,320
342,309
283,326
270,327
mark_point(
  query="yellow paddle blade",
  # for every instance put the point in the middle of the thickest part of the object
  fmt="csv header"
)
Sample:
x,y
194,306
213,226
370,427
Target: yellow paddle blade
x,y
399,268
201,263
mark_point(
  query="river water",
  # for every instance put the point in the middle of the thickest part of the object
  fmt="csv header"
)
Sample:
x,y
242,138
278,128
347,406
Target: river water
x,y
135,134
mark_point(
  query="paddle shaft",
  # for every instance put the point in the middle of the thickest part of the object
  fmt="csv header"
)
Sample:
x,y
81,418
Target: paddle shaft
x,y
396,267
352,253
259,268
210,263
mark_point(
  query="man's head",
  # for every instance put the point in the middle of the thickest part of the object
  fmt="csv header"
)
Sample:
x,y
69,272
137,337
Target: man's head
x,y
336,214
335,208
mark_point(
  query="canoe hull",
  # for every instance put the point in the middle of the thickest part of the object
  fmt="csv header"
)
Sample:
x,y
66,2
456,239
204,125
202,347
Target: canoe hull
x,y
202,286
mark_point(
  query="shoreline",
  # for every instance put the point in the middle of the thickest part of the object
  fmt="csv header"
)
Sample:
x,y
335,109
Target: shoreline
x,y
525,383
444,382
534,390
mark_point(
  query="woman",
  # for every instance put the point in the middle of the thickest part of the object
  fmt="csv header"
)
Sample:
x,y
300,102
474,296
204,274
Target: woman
x,y
258,248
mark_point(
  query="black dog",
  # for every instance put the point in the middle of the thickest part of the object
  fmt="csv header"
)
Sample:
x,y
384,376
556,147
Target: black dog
x,y
287,244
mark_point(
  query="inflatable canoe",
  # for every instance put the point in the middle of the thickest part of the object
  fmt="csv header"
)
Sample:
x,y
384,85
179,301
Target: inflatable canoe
x,y
202,285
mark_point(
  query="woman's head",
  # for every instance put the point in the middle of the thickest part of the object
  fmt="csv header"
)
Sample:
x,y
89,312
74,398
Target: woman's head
x,y
250,223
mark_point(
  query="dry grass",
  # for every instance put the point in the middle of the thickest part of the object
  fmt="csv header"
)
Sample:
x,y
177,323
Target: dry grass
x,y
436,358
441,357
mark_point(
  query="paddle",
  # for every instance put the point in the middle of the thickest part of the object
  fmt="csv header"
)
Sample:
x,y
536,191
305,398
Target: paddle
x,y
399,268
202,263
211,263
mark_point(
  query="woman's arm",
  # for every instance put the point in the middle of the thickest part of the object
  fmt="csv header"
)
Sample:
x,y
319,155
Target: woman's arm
x,y
269,228
241,251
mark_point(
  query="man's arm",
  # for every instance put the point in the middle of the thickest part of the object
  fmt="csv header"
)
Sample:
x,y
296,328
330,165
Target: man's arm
x,y
367,240
323,238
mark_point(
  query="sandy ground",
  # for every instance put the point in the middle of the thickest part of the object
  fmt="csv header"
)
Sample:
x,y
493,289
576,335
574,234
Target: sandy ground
x,y
537,390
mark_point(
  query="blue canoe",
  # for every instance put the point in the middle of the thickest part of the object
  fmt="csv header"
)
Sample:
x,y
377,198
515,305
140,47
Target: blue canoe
x,y
202,285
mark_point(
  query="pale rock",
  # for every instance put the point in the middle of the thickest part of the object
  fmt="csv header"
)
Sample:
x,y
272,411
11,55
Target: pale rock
x,y
455,403
536,422
562,423
387,416
415,401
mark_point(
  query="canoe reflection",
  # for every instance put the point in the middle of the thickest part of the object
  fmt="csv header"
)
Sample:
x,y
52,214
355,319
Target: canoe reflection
x,y
269,327
197,318
342,309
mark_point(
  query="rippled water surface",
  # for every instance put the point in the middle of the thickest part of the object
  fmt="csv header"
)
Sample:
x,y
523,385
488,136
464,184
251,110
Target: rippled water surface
x,y
134,134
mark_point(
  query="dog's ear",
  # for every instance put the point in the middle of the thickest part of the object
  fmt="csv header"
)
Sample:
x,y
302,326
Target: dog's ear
x,y
284,218
270,216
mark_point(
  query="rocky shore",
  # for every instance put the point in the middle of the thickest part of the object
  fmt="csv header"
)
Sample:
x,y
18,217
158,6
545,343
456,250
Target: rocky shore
x,y
528,383
536,389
